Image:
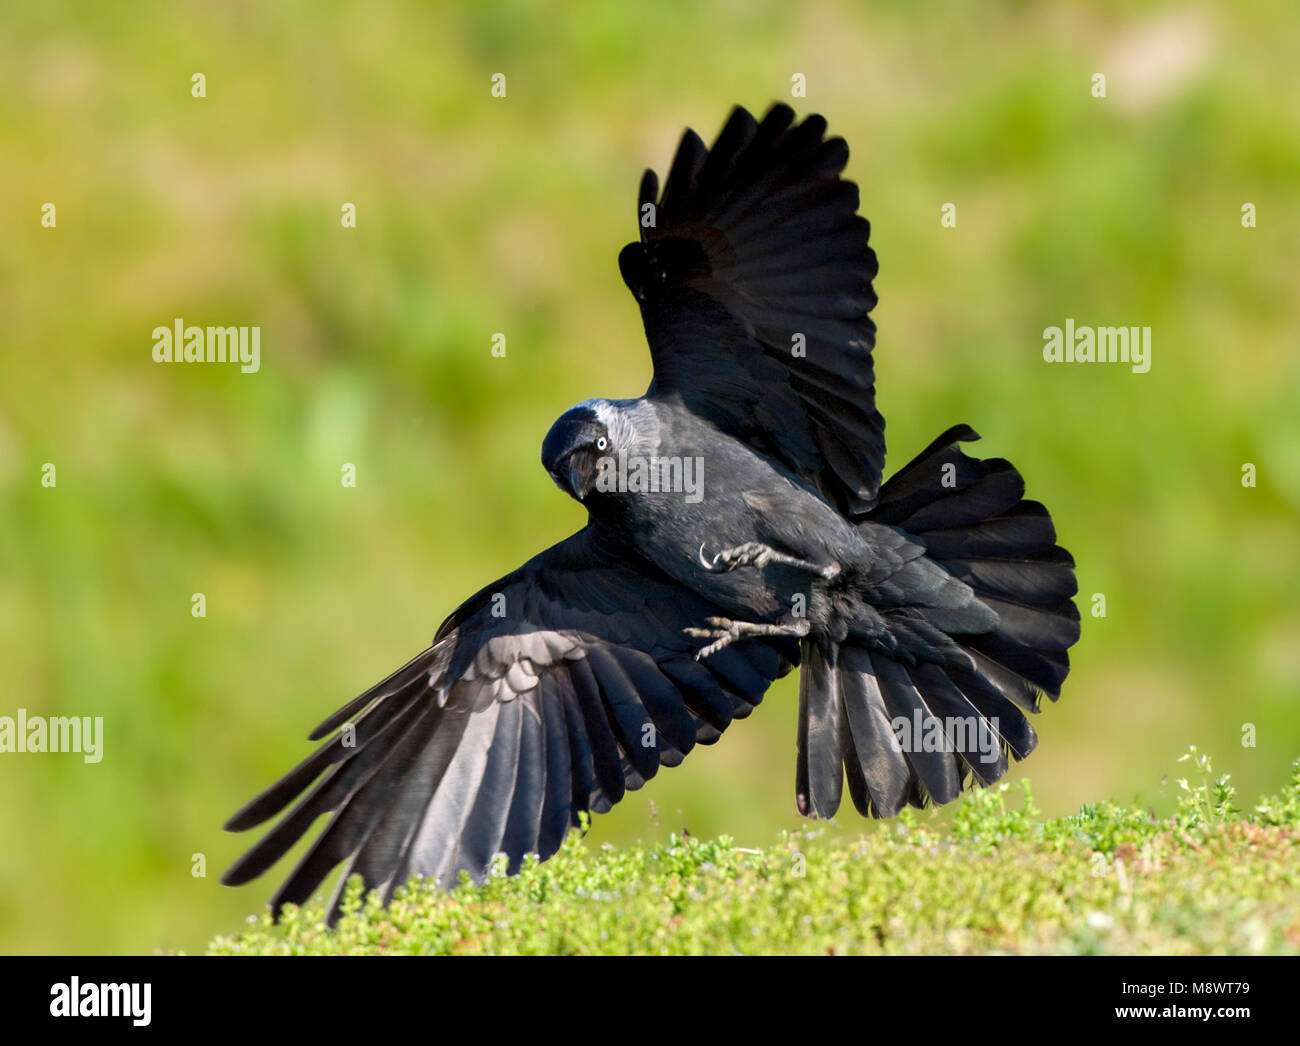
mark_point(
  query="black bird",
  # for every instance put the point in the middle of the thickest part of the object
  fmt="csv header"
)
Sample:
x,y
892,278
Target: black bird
x,y
737,527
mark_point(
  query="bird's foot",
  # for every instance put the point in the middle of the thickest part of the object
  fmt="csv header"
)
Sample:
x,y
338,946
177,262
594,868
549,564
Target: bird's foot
x,y
724,632
756,554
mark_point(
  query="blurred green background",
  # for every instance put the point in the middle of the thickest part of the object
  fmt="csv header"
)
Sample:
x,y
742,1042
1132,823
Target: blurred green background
x,y
478,215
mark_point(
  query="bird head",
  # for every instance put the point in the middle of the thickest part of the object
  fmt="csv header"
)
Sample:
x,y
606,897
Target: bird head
x,y
573,449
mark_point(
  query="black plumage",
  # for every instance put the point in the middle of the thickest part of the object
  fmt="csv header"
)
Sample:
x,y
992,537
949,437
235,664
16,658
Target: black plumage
x,y
928,612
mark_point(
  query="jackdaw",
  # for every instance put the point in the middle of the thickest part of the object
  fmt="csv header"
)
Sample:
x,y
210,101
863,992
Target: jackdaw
x,y
737,527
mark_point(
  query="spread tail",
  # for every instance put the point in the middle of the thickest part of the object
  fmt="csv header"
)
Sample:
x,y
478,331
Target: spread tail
x,y
916,730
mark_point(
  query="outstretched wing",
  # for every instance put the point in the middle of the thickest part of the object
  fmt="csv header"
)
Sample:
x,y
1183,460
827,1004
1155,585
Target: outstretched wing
x,y
549,693
754,278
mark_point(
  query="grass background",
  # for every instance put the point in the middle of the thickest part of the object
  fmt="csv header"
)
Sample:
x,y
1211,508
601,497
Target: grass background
x,y
478,215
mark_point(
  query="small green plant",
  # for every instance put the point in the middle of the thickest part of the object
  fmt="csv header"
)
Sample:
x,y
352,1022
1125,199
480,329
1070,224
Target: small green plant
x,y
1210,799
1283,808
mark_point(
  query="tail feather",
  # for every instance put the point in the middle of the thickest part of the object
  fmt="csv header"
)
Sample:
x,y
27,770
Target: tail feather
x,y
1036,581
988,760
879,777
916,727
1025,530
1017,733
937,771
1036,628
822,743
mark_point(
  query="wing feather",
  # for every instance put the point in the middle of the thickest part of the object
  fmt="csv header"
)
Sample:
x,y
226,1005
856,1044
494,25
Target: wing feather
x,y
756,245
499,736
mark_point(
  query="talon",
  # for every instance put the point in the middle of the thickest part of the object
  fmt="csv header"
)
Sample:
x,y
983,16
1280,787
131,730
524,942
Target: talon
x,y
724,632
712,648
757,555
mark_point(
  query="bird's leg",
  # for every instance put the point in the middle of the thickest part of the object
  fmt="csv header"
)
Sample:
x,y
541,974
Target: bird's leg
x,y
724,632
756,554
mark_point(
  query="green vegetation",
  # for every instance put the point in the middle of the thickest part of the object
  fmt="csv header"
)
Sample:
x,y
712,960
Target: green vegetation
x,y
1111,879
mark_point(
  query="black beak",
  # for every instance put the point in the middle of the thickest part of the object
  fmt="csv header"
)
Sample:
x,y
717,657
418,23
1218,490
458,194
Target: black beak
x,y
570,478
567,451
577,480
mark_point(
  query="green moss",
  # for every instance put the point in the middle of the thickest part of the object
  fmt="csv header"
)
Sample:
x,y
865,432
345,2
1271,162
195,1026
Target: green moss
x,y
1111,879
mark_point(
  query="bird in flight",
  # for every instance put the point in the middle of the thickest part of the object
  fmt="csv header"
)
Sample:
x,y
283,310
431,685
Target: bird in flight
x,y
738,527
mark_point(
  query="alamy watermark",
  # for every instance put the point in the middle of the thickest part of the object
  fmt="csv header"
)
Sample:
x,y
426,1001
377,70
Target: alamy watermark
x,y
965,734
1130,345
181,344
71,998
653,475
38,734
